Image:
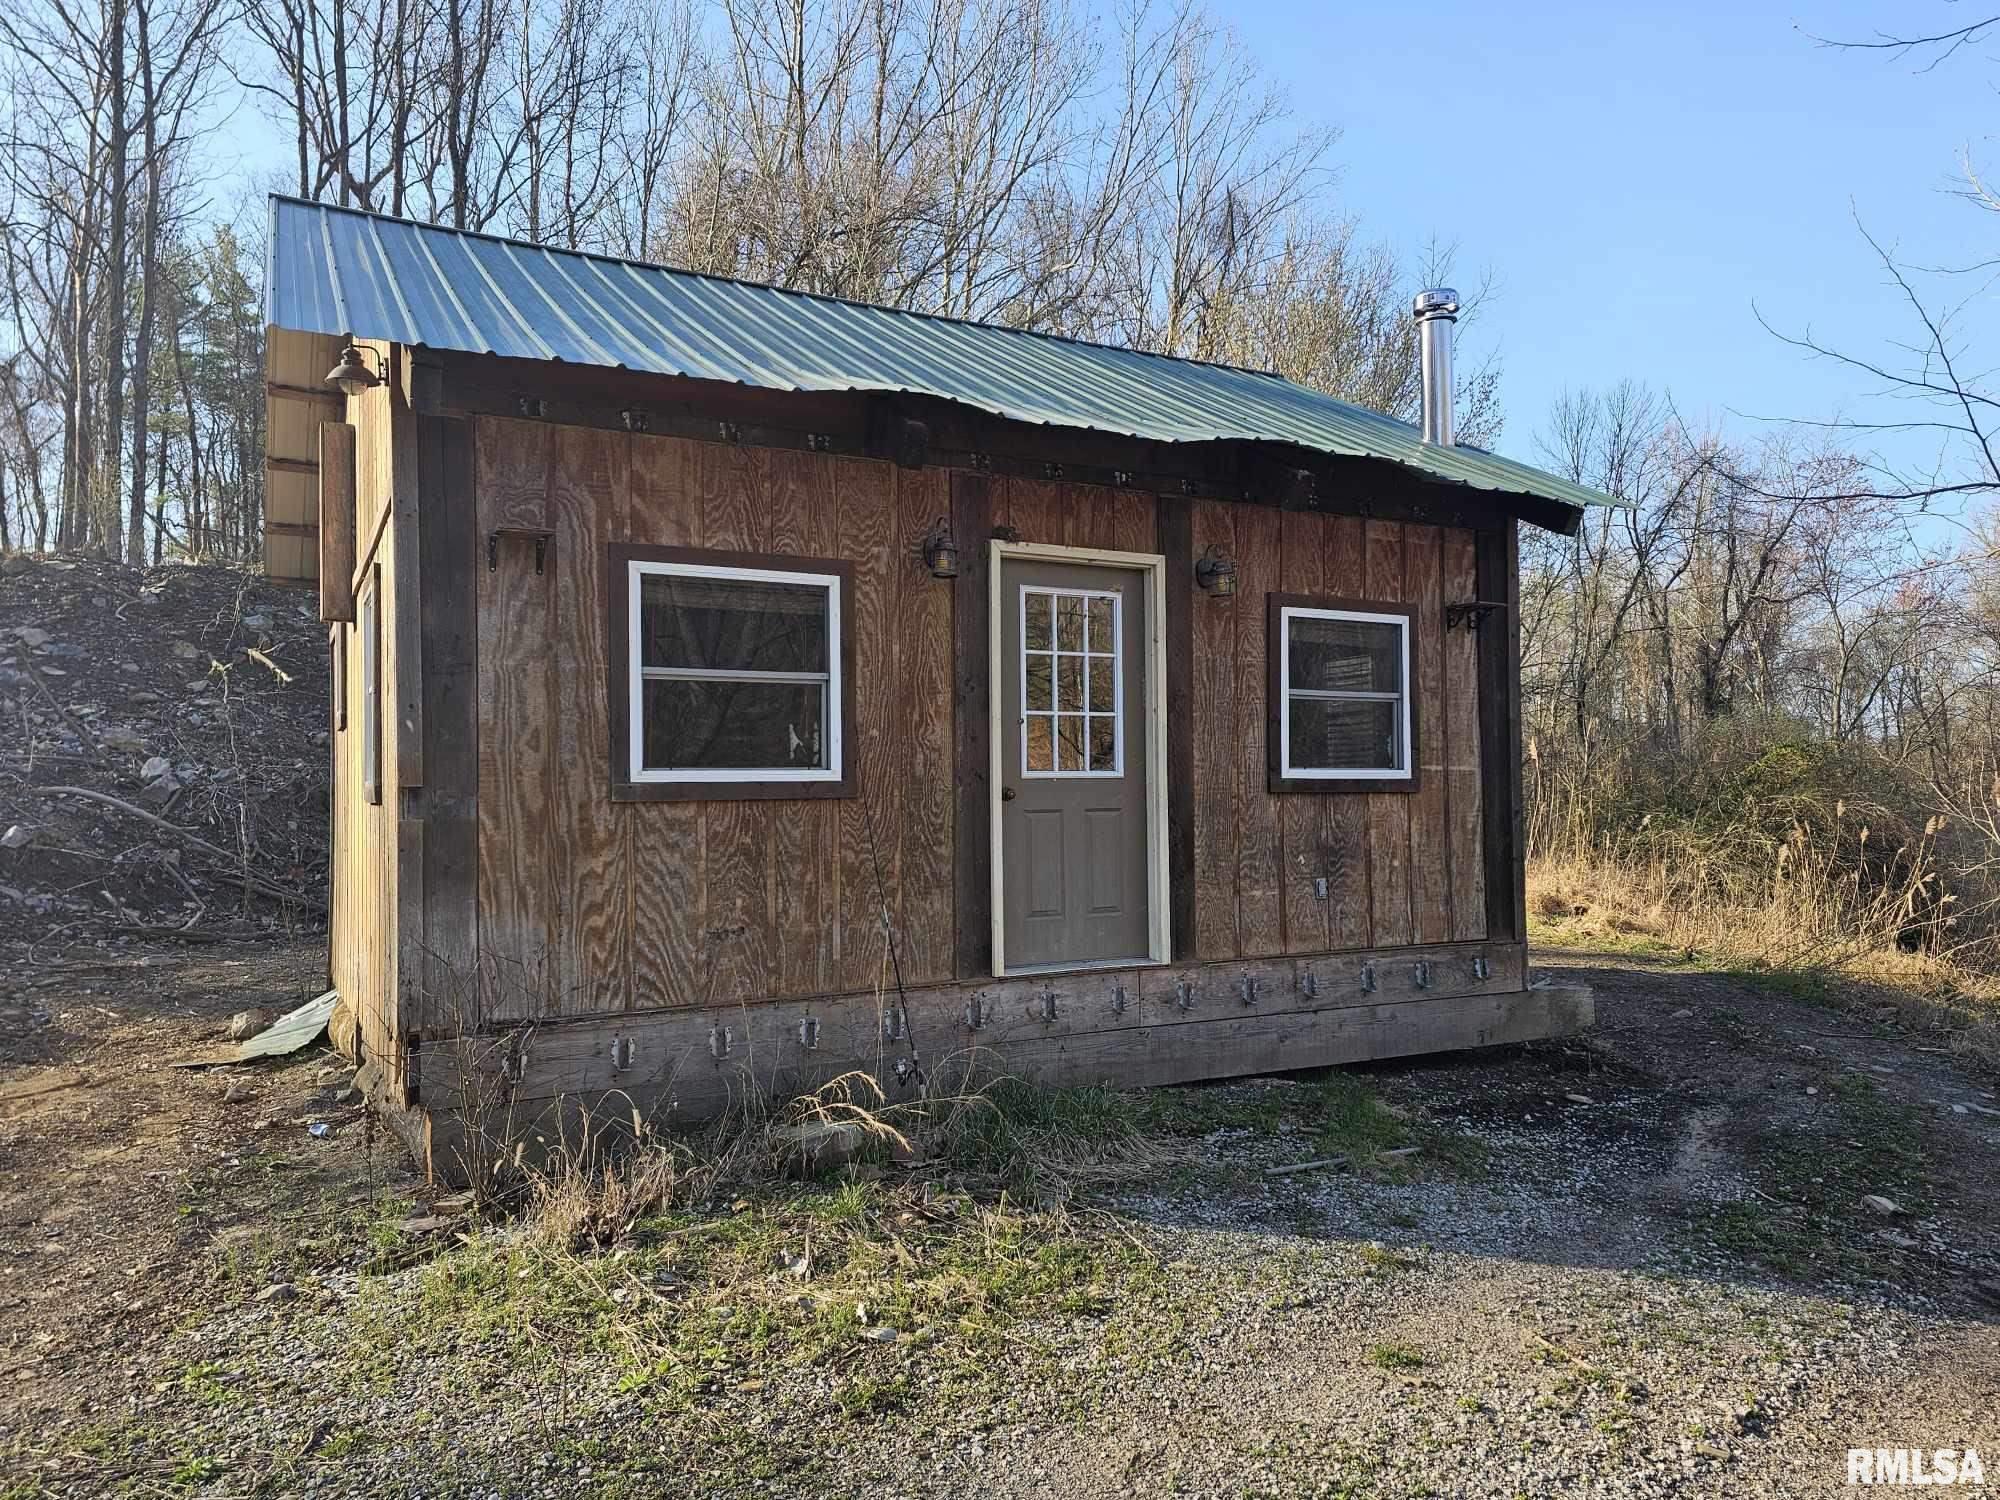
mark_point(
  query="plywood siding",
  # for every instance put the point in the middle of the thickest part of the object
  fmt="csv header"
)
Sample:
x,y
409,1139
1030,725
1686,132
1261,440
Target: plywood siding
x,y
375,919
592,906
1398,868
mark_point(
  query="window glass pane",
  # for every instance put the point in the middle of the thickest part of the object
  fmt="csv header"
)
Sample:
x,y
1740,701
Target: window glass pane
x,y
1041,682
1038,623
1069,623
1069,683
1103,684
1344,734
1103,742
732,624
1041,744
1069,742
1100,623
705,725
1355,656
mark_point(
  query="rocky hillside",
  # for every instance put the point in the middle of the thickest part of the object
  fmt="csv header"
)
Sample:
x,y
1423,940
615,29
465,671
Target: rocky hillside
x,y
163,756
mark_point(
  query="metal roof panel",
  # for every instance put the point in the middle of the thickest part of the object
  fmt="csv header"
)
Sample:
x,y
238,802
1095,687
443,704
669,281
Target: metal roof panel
x,y
344,272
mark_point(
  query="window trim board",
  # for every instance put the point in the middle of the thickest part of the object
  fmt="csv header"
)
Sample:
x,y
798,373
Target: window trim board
x,y
619,604
1336,782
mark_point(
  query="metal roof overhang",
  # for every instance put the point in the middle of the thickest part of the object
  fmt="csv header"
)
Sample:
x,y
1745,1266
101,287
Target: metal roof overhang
x,y
334,273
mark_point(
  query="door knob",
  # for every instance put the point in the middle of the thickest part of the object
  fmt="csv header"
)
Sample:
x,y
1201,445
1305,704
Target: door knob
x,y
1006,794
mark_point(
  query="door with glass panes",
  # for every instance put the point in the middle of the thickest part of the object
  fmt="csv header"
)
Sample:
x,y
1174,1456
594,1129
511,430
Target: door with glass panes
x,y
1073,796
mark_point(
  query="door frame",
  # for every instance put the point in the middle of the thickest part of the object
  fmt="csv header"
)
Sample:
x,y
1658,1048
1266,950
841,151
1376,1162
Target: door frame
x,y
1153,566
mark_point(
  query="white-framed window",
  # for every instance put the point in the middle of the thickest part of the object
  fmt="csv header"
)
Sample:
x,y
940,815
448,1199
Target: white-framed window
x,y
1344,709
1072,683
735,673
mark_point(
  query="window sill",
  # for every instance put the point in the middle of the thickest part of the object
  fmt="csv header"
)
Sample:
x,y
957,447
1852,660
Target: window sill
x,y
1335,786
729,791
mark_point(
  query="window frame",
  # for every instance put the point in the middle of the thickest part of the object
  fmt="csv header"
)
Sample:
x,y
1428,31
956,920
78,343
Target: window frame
x,y
1285,777
625,566
368,614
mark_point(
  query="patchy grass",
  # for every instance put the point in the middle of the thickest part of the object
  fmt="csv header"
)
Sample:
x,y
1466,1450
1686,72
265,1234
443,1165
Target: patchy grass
x,y
1812,1220
1395,1357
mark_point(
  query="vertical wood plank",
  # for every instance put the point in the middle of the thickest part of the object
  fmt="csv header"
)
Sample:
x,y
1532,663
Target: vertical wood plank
x,y
450,875
336,521
972,818
1498,560
1301,816
516,709
1037,510
589,494
739,894
1388,813
924,763
1132,521
1259,850
1466,865
1430,896
1174,540
869,845
669,956
1344,819
804,864
1216,731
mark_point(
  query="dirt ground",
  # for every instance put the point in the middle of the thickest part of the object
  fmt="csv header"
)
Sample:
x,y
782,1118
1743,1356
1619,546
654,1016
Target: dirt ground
x,y
1641,1266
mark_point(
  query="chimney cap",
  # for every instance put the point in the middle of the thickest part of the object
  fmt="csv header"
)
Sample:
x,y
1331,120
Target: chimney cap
x,y
1436,302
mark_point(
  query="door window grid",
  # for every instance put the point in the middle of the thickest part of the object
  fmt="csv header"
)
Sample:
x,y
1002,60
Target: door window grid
x,y
1072,683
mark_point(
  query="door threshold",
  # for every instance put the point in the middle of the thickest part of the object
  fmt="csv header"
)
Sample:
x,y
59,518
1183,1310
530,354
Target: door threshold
x,y
1143,961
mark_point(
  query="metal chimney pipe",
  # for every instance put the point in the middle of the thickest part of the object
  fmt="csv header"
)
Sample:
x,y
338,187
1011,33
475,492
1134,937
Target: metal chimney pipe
x,y
1435,311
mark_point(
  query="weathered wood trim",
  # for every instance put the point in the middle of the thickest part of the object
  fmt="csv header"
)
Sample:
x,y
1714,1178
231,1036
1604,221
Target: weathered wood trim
x,y
971,620
963,437
408,590
304,393
1499,573
336,521
1122,1028
1274,689
1174,537
617,605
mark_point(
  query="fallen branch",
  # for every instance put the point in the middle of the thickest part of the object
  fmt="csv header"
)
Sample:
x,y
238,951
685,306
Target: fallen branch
x,y
84,737
258,656
1306,1166
252,882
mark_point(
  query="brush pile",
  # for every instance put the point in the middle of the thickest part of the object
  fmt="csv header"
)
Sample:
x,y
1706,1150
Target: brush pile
x,y
163,760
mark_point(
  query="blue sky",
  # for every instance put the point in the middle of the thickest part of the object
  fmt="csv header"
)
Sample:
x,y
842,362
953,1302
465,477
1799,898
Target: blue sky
x,y
1635,178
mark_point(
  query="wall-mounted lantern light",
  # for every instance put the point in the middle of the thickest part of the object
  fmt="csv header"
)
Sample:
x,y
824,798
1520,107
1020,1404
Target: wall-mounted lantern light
x,y
1215,571
352,376
940,550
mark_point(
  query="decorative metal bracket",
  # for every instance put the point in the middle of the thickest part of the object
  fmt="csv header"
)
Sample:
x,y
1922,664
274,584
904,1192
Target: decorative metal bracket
x,y
1184,994
1248,989
719,1038
1368,979
1045,1005
1423,975
809,1033
1481,969
621,1053
541,536
1471,613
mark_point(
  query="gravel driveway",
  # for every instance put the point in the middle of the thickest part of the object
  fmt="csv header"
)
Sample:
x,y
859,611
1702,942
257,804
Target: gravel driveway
x,y
1637,1263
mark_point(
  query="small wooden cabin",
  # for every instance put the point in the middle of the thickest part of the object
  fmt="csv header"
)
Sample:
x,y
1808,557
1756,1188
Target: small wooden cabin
x,y
733,687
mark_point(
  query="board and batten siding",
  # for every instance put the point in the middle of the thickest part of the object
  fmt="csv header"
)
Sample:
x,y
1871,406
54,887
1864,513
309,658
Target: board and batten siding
x,y
587,906
578,905
1400,867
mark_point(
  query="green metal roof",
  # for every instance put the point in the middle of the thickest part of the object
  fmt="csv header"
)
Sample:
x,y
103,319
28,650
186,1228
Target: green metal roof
x,y
344,272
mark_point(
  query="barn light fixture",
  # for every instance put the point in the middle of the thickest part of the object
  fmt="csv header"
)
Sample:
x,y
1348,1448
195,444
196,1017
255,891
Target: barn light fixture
x,y
941,550
1215,571
352,376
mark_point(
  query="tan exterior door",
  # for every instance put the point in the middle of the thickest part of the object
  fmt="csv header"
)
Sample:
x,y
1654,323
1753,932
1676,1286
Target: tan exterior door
x,y
1073,763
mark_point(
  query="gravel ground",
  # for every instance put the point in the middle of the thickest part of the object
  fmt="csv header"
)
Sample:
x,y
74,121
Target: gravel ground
x,y
1632,1264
